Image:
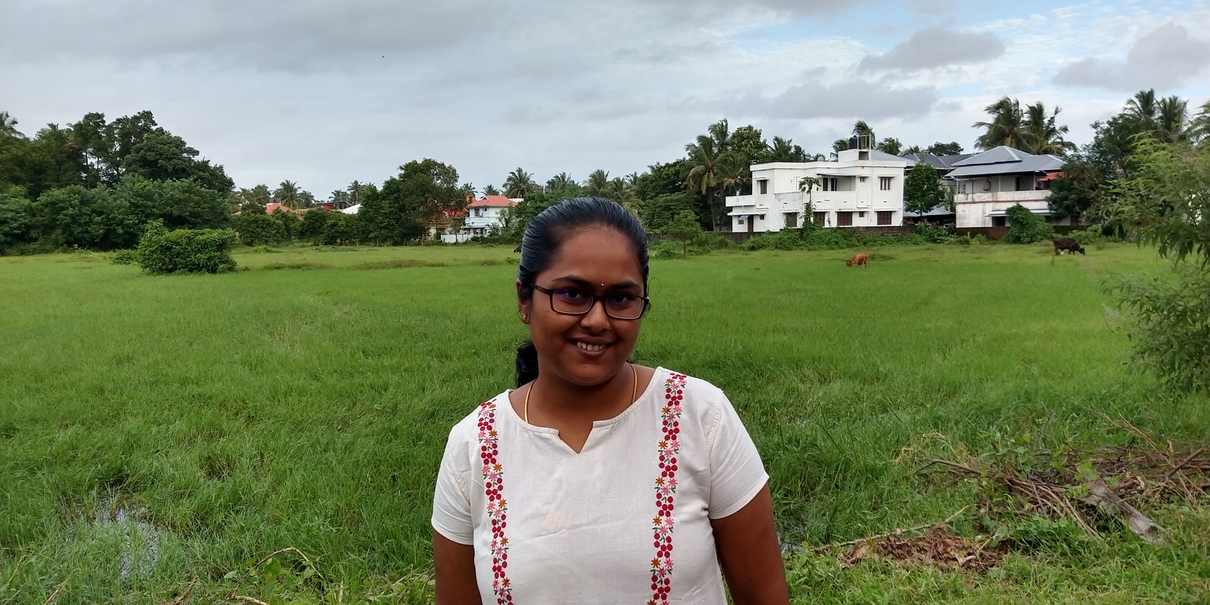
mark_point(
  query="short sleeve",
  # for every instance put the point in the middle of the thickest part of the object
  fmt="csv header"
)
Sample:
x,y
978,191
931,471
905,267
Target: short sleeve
x,y
451,504
736,471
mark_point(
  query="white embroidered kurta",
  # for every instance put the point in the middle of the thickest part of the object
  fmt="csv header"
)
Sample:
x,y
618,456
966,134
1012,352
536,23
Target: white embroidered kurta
x,y
625,520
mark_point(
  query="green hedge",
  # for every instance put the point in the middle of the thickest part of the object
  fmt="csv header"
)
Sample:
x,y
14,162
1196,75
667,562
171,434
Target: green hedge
x,y
164,252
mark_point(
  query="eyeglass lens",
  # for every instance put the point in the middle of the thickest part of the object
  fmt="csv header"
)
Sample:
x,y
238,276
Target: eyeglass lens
x,y
573,301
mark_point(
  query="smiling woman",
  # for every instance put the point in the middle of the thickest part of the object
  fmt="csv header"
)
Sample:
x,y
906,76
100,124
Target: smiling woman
x,y
579,485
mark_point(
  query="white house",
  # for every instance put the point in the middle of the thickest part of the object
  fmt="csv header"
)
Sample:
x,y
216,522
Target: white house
x,y
863,187
482,215
991,182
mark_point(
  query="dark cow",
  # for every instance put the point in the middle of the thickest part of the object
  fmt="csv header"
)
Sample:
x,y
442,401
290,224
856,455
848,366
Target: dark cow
x,y
1068,244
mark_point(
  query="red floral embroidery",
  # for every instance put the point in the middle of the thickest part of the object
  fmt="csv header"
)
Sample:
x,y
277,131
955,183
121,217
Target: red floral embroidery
x,y
493,488
665,488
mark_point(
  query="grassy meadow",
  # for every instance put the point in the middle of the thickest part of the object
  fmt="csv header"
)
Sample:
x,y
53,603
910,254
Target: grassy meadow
x,y
154,430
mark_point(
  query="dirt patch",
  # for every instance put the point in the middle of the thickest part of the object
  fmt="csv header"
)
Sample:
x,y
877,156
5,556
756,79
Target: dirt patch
x,y
938,548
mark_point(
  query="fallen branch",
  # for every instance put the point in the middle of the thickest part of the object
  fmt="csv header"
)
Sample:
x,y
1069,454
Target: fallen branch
x,y
897,532
54,594
237,597
184,595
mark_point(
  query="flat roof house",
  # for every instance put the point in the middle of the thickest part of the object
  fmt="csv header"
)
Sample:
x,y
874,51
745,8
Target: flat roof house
x,y
861,188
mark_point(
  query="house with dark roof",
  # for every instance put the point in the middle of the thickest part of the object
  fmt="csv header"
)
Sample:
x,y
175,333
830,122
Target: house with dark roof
x,y
940,215
988,183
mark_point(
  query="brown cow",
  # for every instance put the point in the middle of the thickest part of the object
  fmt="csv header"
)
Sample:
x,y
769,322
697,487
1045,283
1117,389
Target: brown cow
x,y
859,259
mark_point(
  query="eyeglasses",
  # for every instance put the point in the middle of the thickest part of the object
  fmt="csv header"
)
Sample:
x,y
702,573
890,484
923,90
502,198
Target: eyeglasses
x,y
574,301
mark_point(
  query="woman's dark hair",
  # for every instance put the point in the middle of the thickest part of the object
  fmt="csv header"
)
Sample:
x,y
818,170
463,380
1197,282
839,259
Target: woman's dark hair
x,y
547,232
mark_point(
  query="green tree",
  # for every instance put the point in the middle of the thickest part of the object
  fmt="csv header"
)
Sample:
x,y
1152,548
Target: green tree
x,y
662,209
682,228
1165,203
1006,127
289,222
519,184
1041,134
922,190
423,194
709,171
260,230
597,184
286,194
890,145
15,224
939,148
312,226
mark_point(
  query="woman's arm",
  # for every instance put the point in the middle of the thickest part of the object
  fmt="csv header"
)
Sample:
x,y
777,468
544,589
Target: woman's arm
x,y
455,564
749,553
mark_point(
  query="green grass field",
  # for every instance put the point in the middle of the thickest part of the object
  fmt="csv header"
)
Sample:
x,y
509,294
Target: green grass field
x,y
154,430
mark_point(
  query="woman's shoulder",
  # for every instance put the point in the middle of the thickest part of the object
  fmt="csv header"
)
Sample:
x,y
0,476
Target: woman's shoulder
x,y
466,431
700,400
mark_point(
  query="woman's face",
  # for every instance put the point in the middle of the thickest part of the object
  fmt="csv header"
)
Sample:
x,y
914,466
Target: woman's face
x,y
588,349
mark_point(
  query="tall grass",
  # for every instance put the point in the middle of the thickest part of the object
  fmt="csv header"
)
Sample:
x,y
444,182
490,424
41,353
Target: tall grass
x,y
183,426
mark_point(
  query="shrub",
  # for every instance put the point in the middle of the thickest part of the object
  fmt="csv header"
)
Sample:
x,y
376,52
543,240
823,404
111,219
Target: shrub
x,y
707,241
260,229
1025,227
935,235
164,252
126,257
828,238
961,240
666,251
875,240
1086,237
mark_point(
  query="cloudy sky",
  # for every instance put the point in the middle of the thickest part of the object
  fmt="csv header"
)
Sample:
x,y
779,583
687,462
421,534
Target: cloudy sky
x,y
325,92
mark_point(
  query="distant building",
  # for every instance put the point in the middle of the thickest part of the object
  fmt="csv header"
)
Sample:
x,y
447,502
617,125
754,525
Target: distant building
x,y
988,183
861,188
480,217
943,164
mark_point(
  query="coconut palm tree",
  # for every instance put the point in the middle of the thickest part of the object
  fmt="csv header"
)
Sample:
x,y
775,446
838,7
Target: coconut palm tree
x,y
287,194
1041,134
1005,128
1171,120
863,132
490,190
561,182
597,183
519,183
709,172
720,131
1199,129
1143,107
8,126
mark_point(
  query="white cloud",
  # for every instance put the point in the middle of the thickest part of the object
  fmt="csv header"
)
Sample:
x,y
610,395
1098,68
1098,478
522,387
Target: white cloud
x,y
1164,58
936,47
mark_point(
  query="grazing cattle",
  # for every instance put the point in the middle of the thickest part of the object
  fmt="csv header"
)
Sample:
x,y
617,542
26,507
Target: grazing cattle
x,y
860,259
1068,244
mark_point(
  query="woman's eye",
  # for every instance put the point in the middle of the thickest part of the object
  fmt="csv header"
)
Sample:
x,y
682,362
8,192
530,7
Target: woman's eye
x,y
571,294
621,299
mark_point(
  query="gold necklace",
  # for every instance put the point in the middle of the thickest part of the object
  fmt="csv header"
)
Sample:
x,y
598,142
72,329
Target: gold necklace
x,y
634,391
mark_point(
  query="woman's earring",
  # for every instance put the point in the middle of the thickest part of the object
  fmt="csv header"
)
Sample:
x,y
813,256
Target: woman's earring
x,y
524,318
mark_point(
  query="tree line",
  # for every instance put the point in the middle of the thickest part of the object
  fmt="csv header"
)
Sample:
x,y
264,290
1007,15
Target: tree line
x,y
95,183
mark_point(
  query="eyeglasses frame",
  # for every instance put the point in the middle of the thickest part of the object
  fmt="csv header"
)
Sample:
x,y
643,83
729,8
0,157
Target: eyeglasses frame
x,y
593,298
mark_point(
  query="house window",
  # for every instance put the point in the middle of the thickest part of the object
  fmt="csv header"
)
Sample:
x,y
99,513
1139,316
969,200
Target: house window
x,y
861,178
999,221
478,212
860,215
791,220
844,219
884,183
828,183
741,220
884,217
764,186
819,217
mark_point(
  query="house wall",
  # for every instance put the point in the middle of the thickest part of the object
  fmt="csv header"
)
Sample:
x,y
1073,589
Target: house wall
x,y
858,191
489,216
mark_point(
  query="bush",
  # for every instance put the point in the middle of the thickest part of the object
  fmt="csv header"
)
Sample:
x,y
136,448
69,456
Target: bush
x,y
1171,334
935,235
961,240
126,257
707,241
260,229
874,241
1025,227
1086,237
163,252
666,251
828,239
